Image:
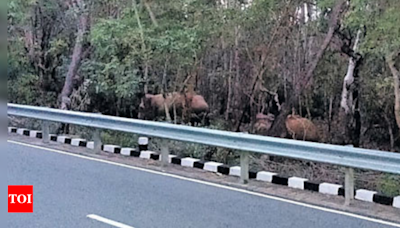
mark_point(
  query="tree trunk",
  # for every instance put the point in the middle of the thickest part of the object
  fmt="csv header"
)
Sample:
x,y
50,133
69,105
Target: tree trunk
x,y
390,130
349,113
299,84
333,24
347,100
143,48
396,78
330,114
237,67
83,18
145,78
227,74
236,93
164,92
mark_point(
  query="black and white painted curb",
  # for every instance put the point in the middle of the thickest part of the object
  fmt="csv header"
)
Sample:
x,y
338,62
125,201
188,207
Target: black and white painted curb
x,y
293,182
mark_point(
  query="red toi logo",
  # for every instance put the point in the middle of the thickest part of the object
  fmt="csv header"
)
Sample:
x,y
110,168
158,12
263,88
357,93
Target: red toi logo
x,y
20,198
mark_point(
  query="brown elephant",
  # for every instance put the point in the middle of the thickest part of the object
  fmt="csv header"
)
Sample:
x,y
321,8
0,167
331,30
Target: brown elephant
x,y
198,109
152,106
301,128
263,123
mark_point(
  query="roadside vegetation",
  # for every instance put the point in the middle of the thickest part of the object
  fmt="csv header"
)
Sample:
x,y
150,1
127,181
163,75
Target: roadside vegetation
x,y
335,63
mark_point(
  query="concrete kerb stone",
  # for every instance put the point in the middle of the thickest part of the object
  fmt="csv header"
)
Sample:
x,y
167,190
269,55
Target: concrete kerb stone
x,y
21,131
365,195
188,162
63,139
143,143
77,142
127,151
234,171
146,154
34,134
265,176
90,145
328,188
12,130
212,166
112,149
297,182
170,156
396,202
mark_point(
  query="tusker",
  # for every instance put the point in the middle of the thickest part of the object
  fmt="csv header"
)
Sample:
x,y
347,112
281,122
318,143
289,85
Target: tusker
x,y
152,106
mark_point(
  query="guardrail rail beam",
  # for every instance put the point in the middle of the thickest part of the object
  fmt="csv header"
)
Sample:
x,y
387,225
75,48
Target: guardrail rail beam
x,y
376,160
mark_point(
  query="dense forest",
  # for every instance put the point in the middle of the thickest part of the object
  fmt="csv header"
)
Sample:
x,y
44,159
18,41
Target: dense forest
x,y
333,62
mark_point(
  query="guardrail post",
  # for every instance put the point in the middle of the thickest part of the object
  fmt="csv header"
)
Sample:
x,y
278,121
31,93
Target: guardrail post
x,y
97,141
164,153
349,186
45,131
244,167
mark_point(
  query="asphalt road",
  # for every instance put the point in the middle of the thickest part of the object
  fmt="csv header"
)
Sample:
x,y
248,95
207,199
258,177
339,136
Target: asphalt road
x,y
67,189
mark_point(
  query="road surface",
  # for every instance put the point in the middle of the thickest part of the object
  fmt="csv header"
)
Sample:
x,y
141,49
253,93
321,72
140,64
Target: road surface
x,y
75,192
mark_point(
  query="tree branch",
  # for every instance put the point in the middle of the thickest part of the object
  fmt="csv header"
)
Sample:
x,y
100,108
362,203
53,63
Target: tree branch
x,y
83,20
151,14
333,23
396,78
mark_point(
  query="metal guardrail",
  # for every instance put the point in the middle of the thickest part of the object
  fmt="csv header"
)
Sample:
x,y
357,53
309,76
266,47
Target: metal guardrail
x,y
345,156
317,152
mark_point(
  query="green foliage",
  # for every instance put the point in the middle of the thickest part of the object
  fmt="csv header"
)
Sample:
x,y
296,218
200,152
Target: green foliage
x,y
203,39
119,138
38,42
17,10
113,38
381,21
24,89
58,46
389,185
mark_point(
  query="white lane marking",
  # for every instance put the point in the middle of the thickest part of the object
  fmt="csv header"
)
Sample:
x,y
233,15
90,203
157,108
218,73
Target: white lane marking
x,y
216,185
108,221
